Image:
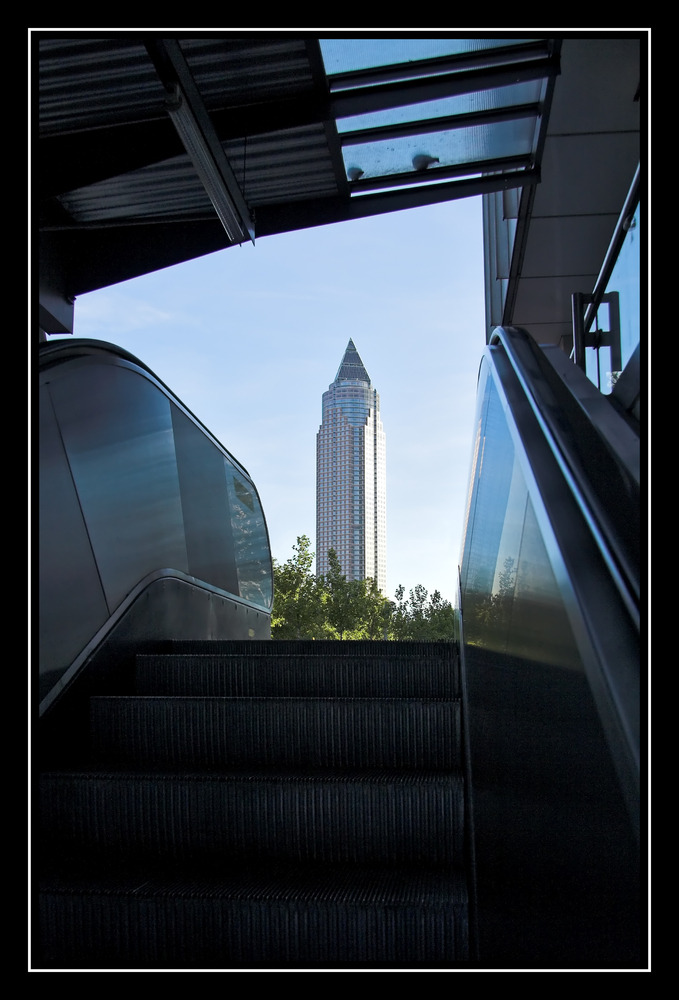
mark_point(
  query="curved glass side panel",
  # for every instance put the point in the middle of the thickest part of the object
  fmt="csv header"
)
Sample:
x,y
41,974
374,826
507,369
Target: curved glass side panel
x,y
512,600
250,542
130,485
117,434
549,667
71,598
202,472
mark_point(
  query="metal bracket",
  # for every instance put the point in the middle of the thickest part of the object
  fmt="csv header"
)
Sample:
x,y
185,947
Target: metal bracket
x,y
583,338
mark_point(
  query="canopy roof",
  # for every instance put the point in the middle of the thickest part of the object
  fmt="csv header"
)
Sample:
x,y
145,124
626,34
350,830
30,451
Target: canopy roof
x,y
151,150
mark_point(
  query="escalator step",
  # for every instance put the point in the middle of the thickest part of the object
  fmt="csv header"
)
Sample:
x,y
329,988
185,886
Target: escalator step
x,y
214,732
263,805
318,675
402,650
256,916
386,817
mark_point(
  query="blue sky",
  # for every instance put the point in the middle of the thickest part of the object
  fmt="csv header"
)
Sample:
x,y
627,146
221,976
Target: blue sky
x,y
249,339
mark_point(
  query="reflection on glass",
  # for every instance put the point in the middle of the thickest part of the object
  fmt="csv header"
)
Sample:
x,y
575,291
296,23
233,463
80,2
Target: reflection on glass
x,y
548,814
511,602
117,432
251,544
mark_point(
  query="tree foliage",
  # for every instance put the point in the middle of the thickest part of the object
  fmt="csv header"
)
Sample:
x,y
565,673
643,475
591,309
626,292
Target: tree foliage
x,y
307,606
356,608
300,597
420,616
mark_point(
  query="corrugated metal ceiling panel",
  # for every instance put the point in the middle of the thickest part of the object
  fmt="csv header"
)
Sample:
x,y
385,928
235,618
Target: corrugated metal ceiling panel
x,y
90,82
291,165
229,71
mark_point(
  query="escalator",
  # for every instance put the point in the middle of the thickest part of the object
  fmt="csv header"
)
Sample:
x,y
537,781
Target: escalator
x,y
206,797
263,805
211,799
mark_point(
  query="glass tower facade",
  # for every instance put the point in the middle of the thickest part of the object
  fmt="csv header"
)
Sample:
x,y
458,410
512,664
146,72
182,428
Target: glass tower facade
x,y
351,476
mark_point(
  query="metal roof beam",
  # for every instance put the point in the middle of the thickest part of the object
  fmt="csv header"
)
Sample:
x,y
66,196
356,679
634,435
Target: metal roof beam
x,y
509,166
196,130
281,218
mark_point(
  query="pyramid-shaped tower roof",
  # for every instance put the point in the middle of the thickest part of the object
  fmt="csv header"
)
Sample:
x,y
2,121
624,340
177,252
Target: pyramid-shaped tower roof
x,y
352,367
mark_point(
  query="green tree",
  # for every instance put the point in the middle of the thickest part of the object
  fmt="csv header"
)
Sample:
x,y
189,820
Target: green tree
x,y
420,616
299,596
331,607
356,608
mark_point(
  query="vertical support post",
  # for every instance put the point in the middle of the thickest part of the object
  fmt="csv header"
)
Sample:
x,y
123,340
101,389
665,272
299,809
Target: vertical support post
x,y
578,302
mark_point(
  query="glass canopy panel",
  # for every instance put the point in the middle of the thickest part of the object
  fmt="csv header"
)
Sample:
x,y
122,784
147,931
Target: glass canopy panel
x,y
346,55
464,133
449,148
519,94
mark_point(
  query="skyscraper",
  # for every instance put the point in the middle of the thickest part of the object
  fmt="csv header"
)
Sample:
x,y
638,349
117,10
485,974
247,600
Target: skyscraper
x,y
351,476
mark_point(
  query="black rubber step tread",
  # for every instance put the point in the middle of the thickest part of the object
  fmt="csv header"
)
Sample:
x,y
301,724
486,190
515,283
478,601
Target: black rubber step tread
x,y
366,884
297,675
263,804
259,916
287,647
172,731
333,817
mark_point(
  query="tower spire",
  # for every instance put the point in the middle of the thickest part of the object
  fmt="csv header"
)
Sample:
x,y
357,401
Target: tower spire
x,y
352,367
